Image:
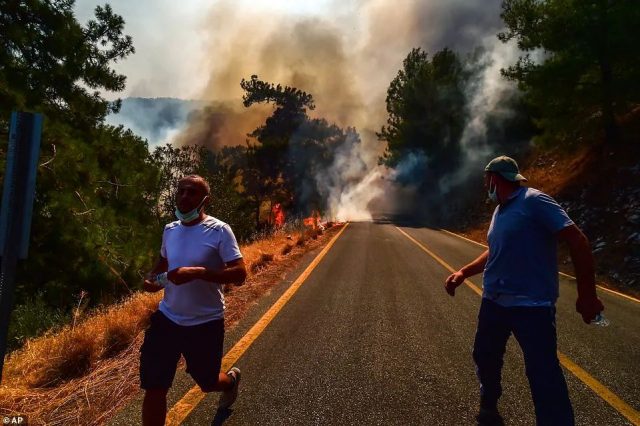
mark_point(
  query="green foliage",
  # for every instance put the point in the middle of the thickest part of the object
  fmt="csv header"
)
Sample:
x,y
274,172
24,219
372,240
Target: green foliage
x,y
313,152
269,158
580,68
219,169
427,110
50,63
286,98
91,228
32,318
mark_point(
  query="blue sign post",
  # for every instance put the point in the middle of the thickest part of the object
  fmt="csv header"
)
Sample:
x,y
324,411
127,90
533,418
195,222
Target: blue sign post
x,y
17,207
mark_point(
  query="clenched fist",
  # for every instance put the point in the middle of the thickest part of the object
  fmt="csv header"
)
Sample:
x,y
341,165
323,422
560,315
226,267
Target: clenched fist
x,y
453,281
589,308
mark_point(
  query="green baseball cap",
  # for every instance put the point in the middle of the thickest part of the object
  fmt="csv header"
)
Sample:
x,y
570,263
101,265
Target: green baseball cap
x,y
507,167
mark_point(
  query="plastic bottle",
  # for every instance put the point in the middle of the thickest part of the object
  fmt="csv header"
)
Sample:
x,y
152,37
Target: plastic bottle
x,y
600,320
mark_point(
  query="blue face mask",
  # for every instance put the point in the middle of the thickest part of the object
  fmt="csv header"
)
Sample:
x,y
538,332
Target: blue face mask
x,y
190,216
493,194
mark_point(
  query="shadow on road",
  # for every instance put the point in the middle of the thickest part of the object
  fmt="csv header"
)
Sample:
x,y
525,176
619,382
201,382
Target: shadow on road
x,y
221,416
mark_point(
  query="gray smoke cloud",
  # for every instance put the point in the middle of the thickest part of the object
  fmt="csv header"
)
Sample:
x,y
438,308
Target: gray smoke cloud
x,y
346,59
345,54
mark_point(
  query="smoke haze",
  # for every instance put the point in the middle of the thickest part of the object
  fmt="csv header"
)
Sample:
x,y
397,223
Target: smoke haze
x,y
345,54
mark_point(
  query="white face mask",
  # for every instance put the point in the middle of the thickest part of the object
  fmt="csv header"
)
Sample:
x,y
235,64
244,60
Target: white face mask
x,y
190,216
493,193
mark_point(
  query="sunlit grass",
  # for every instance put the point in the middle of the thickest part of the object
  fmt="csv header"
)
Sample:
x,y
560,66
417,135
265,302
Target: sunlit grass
x,y
86,371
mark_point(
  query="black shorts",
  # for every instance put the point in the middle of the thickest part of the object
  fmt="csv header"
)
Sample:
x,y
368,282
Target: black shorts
x,y
165,341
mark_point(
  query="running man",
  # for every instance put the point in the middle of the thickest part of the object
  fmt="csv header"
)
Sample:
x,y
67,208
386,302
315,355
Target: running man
x,y
199,253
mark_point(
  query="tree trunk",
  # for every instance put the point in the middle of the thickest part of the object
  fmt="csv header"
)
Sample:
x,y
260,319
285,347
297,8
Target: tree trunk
x,y
258,213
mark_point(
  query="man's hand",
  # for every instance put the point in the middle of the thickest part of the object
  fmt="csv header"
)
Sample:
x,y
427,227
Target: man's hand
x,y
185,274
149,283
453,281
150,286
589,308
457,278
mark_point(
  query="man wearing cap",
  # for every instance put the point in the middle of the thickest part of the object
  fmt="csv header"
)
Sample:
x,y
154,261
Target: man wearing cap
x,y
520,288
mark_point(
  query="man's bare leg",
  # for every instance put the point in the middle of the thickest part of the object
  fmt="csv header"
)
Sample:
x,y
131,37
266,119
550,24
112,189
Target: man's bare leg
x,y
154,407
224,383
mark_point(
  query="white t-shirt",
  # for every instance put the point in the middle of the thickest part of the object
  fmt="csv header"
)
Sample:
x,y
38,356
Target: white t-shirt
x,y
211,244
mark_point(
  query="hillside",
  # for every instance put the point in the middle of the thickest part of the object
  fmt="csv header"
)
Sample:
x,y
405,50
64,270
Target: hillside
x,y
155,119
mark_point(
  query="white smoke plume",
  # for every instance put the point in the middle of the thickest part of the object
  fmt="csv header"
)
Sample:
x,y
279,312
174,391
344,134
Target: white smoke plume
x,y
486,96
351,182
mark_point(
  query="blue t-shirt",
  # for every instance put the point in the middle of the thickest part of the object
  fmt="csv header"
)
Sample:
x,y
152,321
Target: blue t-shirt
x,y
522,268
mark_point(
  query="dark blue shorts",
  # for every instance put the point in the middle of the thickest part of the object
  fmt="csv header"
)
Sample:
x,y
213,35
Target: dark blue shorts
x,y
164,342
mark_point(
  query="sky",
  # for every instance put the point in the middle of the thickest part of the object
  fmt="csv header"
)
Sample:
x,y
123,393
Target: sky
x,y
171,41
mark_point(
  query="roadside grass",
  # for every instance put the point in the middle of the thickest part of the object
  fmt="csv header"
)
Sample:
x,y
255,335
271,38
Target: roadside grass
x,y
84,372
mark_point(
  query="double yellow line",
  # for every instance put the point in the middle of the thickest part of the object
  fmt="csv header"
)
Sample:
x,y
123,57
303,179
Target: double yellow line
x,y
601,390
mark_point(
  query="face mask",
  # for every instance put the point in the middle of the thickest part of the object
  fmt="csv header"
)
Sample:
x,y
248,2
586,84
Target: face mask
x,y
493,194
190,216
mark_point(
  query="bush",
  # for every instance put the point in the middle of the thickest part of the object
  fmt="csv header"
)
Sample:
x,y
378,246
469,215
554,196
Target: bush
x,y
32,319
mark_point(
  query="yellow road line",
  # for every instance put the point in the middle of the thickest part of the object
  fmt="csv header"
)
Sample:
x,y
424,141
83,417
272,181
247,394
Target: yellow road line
x,y
440,261
617,293
464,238
182,408
601,390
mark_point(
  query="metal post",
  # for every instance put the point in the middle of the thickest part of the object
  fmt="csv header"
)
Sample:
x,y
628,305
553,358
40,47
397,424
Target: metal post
x,y
15,214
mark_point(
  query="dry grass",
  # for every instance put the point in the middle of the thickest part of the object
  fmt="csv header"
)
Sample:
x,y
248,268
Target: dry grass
x,y
89,400
52,359
84,374
259,264
286,249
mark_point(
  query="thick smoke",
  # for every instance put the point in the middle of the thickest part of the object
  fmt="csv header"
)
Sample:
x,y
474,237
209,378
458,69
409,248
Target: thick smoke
x,y
489,97
350,183
345,57
221,124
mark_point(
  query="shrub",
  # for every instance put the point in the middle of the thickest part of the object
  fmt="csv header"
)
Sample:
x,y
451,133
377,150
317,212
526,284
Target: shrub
x,y
32,319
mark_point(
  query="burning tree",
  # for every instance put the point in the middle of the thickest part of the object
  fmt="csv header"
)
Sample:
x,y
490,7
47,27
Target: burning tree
x,y
292,151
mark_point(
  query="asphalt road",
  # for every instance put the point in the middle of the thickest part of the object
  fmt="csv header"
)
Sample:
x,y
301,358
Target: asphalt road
x,y
372,338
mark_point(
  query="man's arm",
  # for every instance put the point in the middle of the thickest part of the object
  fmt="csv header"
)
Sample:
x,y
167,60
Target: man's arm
x,y
473,268
588,304
234,272
161,266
